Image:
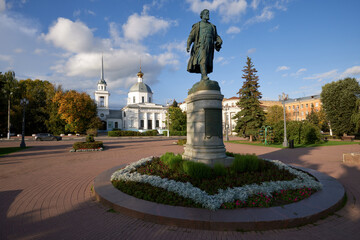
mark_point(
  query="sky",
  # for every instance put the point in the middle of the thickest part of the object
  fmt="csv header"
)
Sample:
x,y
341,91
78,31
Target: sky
x,y
297,46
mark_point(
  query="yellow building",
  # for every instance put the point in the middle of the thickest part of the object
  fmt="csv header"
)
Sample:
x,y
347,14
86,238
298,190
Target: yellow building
x,y
298,108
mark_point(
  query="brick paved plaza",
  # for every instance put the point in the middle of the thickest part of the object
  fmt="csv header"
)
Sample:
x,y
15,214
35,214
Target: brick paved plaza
x,y
45,192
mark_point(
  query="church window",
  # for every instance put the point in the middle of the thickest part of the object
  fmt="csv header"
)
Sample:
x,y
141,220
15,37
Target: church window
x,y
116,125
101,101
142,99
149,99
102,115
124,114
134,99
141,124
157,123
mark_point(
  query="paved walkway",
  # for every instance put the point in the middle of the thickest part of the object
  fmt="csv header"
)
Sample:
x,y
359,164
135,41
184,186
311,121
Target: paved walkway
x,y
45,193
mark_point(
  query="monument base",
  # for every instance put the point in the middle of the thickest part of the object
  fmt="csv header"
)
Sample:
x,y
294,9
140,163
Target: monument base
x,y
204,128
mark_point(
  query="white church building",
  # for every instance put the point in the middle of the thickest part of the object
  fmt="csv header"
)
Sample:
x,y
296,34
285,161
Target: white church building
x,y
140,113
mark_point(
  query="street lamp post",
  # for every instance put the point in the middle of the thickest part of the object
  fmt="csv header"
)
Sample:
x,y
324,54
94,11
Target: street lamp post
x,y
283,98
23,102
8,134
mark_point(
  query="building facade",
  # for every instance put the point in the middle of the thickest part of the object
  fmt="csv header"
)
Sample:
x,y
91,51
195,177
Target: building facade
x,y
140,113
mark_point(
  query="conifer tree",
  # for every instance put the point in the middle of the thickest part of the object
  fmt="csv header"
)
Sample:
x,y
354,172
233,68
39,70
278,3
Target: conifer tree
x,y
251,116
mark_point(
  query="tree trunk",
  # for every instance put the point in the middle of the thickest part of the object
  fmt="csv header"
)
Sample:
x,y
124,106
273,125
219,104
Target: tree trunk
x,y
251,138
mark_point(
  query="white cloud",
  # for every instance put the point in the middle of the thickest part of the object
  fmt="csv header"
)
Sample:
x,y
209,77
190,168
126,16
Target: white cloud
x,y
282,68
178,46
233,30
327,75
300,71
266,15
255,4
72,36
353,71
274,28
18,50
138,27
5,58
2,5
251,51
39,51
228,9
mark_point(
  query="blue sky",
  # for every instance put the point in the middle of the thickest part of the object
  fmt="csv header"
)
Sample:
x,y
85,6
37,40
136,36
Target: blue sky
x,y
296,46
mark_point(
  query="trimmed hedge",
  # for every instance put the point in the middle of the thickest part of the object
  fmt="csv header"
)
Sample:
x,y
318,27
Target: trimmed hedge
x,y
120,133
88,145
175,133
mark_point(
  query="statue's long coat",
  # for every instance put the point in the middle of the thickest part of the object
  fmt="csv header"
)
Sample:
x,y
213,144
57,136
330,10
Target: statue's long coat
x,y
193,64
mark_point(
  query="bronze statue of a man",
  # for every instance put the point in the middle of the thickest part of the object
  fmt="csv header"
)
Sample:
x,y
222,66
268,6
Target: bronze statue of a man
x,y
204,36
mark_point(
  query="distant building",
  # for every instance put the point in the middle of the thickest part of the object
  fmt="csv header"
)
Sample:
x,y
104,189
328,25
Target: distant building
x,y
298,108
140,113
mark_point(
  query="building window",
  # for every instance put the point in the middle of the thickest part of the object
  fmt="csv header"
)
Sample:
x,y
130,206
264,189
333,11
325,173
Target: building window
x,y
133,99
289,107
142,99
293,106
102,115
149,99
316,104
141,124
302,105
307,105
157,123
312,105
116,125
124,114
102,101
302,113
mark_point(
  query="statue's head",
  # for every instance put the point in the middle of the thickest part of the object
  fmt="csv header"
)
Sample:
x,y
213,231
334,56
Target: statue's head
x,y
205,14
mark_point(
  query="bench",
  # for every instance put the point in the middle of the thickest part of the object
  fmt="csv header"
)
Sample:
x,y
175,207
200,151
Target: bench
x,y
348,138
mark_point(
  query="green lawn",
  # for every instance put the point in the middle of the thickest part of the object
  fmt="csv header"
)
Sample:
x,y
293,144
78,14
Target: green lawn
x,y
4,151
279,145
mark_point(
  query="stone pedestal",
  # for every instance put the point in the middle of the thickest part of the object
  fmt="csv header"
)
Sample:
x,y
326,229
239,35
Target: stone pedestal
x,y
204,128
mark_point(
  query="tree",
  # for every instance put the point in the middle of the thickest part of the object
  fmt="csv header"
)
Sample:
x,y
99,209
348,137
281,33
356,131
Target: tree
x,y
8,87
318,119
78,110
339,103
54,123
177,118
275,114
251,116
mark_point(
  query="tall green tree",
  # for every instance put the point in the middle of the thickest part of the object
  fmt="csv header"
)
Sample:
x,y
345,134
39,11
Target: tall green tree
x,y
176,118
339,103
251,116
8,87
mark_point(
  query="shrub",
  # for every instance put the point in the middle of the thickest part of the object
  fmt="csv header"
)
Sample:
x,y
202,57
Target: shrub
x,y
90,138
247,162
175,133
92,131
219,169
196,169
88,145
171,160
181,142
302,132
120,133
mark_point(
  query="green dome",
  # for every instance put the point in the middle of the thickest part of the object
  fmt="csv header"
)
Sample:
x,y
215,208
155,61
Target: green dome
x,y
140,87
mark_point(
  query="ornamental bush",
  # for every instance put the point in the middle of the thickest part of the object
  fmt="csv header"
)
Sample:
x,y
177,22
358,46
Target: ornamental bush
x,y
246,163
175,133
171,160
302,132
197,170
88,145
219,169
90,138
120,133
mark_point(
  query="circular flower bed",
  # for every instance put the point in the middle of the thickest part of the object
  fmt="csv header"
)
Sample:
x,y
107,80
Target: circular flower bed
x,y
301,186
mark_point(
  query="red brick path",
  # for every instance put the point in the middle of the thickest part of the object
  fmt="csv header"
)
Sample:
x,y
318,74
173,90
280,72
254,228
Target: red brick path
x,y
45,193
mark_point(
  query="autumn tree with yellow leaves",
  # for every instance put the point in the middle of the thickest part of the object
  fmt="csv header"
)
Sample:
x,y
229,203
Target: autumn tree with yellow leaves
x,y
78,110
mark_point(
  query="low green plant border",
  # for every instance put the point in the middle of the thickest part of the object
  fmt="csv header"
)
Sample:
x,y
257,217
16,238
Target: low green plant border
x,y
279,145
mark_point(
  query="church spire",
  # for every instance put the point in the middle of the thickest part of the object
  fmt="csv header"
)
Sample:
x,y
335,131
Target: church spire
x,y
102,67
102,80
